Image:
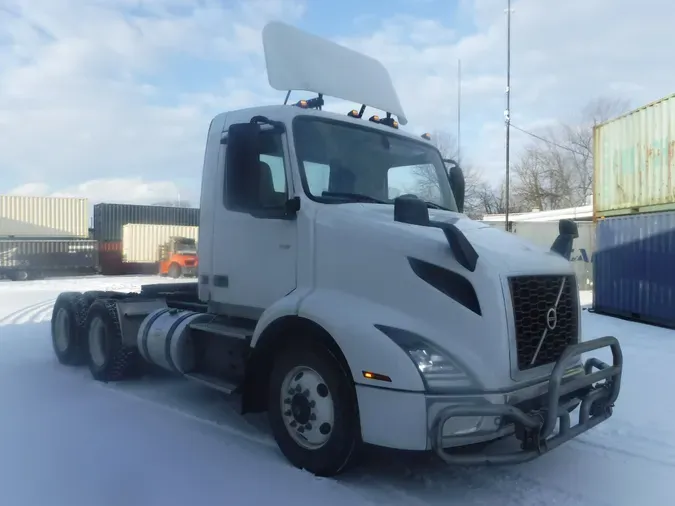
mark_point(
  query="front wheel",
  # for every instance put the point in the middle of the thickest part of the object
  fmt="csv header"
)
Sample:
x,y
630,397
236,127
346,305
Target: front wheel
x,y
174,271
313,412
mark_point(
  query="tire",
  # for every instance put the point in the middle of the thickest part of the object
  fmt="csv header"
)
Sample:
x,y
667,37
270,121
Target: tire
x,y
67,338
19,276
174,271
342,447
109,359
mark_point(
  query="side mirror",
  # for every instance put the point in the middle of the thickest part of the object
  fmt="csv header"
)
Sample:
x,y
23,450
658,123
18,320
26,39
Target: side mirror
x,y
456,179
568,227
242,156
243,145
563,244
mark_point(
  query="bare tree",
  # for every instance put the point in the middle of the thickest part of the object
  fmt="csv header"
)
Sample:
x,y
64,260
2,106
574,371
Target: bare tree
x,y
492,200
556,170
428,183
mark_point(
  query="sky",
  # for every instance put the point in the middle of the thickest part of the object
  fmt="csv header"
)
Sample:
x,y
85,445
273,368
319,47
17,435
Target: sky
x,y
111,99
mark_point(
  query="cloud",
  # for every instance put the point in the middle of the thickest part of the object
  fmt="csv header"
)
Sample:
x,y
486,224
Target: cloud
x,y
111,99
563,55
98,91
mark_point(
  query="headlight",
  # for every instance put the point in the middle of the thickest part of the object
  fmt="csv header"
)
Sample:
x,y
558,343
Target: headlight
x,y
439,372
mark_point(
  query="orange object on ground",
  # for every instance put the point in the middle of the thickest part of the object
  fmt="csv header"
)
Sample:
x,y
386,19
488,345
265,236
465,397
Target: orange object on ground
x,y
178,258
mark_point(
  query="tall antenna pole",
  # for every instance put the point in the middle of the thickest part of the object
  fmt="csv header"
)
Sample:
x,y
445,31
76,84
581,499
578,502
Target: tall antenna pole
x,y
507,113
459,110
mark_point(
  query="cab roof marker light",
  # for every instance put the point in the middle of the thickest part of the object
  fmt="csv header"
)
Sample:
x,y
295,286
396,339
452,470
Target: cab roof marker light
x,y
357,114
426,137
389,121
312,103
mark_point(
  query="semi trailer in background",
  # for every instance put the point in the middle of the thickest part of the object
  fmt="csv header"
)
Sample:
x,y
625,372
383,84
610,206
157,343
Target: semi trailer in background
x,y
543,233
46,236
541,228
22,259
171,250
43,217
108,229
634,211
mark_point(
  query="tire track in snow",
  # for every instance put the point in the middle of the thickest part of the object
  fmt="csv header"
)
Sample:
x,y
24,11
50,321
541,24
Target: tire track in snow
x,y
655,448
34,313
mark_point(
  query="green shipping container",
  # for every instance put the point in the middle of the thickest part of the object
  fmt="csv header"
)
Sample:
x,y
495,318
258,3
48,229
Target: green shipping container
x,y
634,161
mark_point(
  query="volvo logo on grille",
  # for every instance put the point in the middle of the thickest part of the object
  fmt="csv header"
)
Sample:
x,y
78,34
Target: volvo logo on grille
x,y
551,318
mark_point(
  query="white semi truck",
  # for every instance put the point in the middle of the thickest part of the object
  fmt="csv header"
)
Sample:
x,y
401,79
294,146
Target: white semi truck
x,y
349,316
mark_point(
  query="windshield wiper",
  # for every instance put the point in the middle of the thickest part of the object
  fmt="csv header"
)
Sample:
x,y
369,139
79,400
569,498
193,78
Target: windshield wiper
x,y
357,197
433,205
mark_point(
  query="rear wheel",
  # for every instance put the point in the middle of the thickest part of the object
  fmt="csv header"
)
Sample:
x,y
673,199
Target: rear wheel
x,y
19,276
313,413
109,359
67,339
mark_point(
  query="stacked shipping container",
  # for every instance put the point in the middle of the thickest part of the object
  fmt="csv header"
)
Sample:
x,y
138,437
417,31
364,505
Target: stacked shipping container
x,y
634,206
109,221
44,235
141,242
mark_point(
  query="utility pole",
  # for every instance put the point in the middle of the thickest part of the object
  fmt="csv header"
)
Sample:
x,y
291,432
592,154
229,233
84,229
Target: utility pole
x,y
459,110
507,113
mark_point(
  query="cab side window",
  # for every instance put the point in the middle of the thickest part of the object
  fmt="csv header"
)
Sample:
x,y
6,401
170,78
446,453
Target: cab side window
x,y
262,187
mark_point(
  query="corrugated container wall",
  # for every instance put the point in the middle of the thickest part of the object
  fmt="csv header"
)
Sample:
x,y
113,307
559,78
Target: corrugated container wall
x,y
48,255
543,233
110,218
43,216
635,268
141,242
634,161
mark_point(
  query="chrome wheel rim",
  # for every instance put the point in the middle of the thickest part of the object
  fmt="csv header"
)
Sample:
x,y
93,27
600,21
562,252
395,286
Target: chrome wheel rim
x,y
307,407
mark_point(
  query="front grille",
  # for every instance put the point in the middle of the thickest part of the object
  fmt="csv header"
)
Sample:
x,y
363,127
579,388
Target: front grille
x,y
537,316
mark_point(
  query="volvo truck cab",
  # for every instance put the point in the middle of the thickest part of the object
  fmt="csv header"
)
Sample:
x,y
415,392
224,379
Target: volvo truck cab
x,y
342,290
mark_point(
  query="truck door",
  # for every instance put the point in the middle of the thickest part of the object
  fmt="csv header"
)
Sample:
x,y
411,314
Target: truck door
x,y
255,254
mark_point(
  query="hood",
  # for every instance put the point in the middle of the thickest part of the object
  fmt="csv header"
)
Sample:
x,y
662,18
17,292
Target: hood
x,y
505,251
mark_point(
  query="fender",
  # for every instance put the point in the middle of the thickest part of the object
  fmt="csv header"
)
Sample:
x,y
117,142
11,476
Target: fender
x,y
286,306
351,320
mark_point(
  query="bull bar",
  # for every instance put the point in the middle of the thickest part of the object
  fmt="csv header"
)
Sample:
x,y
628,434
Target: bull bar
x,y
535,428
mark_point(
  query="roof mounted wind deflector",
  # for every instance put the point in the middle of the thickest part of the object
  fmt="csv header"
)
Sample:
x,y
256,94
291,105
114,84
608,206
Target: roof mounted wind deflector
x,y
300,61
411,209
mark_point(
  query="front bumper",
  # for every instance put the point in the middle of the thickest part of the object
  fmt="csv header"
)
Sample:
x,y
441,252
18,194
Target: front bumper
x,y
596,391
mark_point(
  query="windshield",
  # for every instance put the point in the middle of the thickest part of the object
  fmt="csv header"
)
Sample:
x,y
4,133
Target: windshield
x,y
340,162
186,246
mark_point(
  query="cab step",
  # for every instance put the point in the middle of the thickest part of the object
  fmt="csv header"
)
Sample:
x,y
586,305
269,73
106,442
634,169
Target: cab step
x,y
214,382
223,330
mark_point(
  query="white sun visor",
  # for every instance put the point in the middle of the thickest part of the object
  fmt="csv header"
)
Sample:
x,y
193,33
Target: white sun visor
x,y
300,61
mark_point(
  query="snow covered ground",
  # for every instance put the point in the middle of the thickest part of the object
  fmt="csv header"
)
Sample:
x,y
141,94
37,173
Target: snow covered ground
x,y
66,440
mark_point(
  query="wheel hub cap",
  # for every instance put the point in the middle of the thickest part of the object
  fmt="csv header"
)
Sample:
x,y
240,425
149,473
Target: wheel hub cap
x,y
300,409
307,407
